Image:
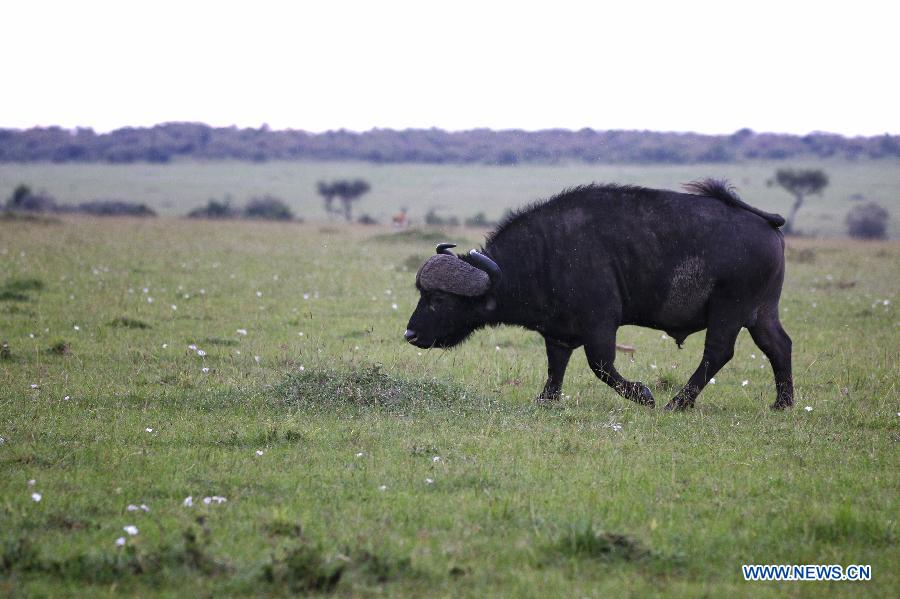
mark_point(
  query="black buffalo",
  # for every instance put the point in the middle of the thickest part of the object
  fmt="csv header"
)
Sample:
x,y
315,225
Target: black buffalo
x,y
578,266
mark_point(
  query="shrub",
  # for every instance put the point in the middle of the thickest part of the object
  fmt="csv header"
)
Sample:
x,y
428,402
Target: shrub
x,y
268,208
214,209
25,199
114,208
365,219
480,220
868,221
434,219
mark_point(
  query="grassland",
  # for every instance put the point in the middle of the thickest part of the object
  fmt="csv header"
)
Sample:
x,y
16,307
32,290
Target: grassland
x,y
355,464
452,190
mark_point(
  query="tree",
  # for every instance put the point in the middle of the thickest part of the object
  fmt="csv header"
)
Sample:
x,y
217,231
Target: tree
x,y
327,192
345,189
800,183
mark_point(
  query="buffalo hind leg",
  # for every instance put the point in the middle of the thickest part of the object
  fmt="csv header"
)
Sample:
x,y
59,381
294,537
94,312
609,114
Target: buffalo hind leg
x,y
718,349
601,354
557,359
770,337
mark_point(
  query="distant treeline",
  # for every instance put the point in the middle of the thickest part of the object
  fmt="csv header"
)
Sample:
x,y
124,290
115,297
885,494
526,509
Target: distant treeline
x,y
171,141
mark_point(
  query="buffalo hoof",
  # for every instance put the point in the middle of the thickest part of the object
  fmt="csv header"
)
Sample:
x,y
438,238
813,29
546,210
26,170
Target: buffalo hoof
x,y
643,396
781,405
545,397
679,403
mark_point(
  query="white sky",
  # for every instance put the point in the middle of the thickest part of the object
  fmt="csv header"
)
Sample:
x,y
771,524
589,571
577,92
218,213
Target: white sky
x,y
681,65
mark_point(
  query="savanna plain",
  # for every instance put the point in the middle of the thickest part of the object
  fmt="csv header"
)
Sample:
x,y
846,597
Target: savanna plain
x,y
198,408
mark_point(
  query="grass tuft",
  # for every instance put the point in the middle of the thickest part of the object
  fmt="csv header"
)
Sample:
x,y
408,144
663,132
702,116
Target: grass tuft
x,y
370,387
129,323
303,568
584,541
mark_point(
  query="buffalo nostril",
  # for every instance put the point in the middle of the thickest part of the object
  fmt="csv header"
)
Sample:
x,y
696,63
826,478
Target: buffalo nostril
x,y
410,335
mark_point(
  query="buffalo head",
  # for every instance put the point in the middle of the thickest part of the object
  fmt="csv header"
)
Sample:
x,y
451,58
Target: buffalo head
x,y
455,297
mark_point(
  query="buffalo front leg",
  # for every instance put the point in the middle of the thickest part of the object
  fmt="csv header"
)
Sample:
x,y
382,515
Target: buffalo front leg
x,y
601,354
557,359
718,349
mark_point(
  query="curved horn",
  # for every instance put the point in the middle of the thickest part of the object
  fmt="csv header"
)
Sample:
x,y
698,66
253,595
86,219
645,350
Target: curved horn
x,y
444,248
487,265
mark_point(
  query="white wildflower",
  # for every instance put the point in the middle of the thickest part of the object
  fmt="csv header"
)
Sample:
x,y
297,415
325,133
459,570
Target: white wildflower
x,y
67,398
188,501
145,290
306,296
808,408
201,353
712,381
132,508
393,306
360,454
34,386
165,345
174,307
300,333
653,366
77,328
615,426
382,488
131,529
302,368
204,370
259,452
259,294
149,300
257,358
36,497
148,429
752,356
214,499
744,383
144,507
32,482
192,346
663,336
242,331
429,481
120,542
436,458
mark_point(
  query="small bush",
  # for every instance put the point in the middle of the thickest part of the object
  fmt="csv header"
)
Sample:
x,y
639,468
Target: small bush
x,y
214,209
268,208
480,220
432,218
868,221
114,208
365,219
24,199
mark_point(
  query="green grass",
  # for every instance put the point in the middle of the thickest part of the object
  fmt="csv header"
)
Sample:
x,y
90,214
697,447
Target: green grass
x,y
387,469
453,190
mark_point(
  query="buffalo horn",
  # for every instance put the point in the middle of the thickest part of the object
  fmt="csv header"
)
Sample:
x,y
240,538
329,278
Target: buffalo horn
x,y
444,248
487,265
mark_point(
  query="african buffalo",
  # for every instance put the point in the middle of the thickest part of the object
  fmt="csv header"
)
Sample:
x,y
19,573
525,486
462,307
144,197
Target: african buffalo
x,y
578,266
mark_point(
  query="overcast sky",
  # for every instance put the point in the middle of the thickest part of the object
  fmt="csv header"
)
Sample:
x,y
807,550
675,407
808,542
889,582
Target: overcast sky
x,y
711,67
